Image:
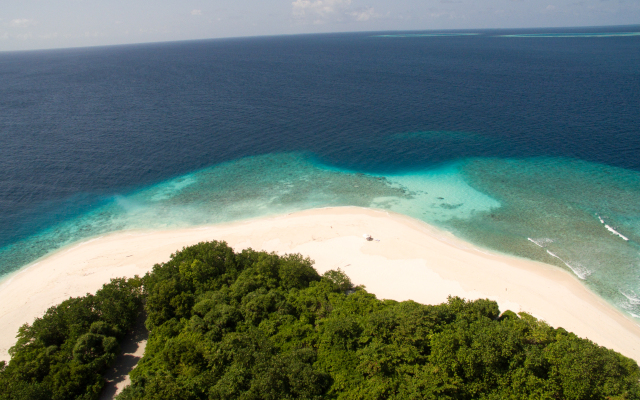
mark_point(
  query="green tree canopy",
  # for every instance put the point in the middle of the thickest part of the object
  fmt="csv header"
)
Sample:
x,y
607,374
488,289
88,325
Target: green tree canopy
x,y
253,325
258,326
64,354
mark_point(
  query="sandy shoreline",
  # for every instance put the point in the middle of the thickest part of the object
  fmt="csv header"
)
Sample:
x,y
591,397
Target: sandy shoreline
x,y
411,260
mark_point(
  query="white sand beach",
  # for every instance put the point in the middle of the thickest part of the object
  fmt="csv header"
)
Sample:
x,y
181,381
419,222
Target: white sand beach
x,y
407,260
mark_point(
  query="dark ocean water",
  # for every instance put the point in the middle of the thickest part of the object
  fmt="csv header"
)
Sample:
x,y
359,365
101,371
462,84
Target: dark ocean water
x,y
525,142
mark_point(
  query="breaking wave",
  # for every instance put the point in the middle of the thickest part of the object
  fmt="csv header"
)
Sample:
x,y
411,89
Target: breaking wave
x,y
610,229
580,271
541,242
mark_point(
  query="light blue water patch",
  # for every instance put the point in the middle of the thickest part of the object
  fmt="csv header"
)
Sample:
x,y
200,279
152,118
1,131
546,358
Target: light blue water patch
x,y
172,187
436,196
573,35
408,35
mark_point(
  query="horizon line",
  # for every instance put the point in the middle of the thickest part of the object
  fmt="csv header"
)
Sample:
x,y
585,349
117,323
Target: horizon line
x,y
3,52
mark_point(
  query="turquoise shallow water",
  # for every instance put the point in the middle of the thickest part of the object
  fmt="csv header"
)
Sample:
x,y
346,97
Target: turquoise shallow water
x,y
246,188
527,146
579,216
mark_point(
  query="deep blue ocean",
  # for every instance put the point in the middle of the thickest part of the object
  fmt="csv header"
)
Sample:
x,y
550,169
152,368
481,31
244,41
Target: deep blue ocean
x,y
524,142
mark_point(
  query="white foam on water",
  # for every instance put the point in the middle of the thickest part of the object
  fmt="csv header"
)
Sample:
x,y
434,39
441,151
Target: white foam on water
x,y
580,271
633,299
534,242
540,242
610,229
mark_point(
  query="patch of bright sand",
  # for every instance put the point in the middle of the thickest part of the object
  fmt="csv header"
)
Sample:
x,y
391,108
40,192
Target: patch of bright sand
x,y
409,260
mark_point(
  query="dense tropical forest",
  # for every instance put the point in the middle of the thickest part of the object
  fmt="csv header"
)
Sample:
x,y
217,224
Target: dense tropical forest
x,y
253,325
64,354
